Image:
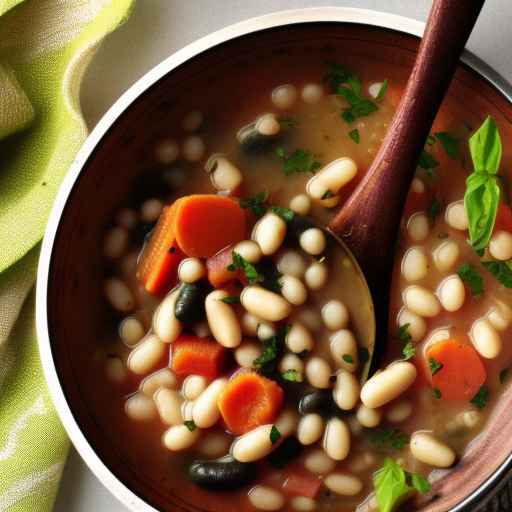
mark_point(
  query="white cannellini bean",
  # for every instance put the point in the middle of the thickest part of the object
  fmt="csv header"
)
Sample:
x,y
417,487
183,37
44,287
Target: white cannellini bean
x,y
284,96
374,89
336,442
303,504
168,403
222,319
418,227
115,243
249,250
335,315
426,448
265,498
446,255
214,444
418,186
500,315
312,93
291,263
318,462
291,362
299,338
485,338
414,264
399,411
361,462
139,407
346,390
127,218
331,178
455,216
249,324
266,330
192,121
316,275
165,324
452,293
193,386
318,372
343,347
167,151
388,384
293,290
150,210
115,370
300,204
146,355
163,378
421,301
187,410
500,246
179,438
287,422
310,429
265,304
343,484
131,331
268,124
417,325
193,148
247,352
254,445
119,295
313,241
206,411
269,233
224,175
368,417
191,270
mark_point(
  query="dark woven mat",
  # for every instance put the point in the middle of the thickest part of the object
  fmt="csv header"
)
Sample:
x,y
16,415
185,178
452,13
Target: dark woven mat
x,y
500,500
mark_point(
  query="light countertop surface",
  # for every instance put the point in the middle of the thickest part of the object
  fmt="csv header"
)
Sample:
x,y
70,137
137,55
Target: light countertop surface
x,y
156,29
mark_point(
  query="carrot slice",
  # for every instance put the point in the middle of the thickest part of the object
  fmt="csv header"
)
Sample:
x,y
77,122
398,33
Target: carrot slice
x,y
158,266
462,372
192,355
205,224
503,218
302,484
248,401
217,268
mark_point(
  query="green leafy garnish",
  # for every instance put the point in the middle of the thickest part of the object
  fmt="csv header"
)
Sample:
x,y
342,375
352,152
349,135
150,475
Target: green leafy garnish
x,y
274,434
292,376
382,91
481,398
434,365
285,213
482,190
354,135
434,209
408,351
327,194
190,425
437,393
250,270
232,299
391,438
266,363
300,160
403,333
449,142
427,162
255,203
336,74
469,274
501,270
348,358
504,375
393,485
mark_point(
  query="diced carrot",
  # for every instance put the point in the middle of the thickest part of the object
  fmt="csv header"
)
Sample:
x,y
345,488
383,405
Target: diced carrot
x,y
503,218
462,372
192,355
158,266
206,223
248,401
217,267
301,483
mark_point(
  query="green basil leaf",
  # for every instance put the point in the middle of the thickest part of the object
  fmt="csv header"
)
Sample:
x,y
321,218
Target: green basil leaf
x,y
391,487
420,483
485,147
469,274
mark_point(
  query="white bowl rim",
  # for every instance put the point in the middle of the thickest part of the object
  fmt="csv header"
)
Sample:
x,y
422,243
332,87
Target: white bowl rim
x,y
278,19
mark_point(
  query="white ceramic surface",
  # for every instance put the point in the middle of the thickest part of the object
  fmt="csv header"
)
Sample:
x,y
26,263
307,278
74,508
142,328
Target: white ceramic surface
x,y
159,27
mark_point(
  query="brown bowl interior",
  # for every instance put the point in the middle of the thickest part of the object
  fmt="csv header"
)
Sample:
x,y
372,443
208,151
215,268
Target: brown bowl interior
x,y
76,311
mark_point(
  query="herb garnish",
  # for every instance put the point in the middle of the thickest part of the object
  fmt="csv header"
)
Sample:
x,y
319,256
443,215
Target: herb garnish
x,y
274,434
354,135
292,376
300,160
393,485
250,270
285,213
348,358
434,365
391,438
255,203
409,351
231,299
336,74
382,91
403,333
449,142
266,363
481,398
501,270
190,425
469,274
437,393
482,190
427,162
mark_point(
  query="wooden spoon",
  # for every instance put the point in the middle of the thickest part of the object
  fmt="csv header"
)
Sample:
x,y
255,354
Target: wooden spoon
x,y
368,222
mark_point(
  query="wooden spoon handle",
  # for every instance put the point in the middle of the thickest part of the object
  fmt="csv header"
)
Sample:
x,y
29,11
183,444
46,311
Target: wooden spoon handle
x,y
369,220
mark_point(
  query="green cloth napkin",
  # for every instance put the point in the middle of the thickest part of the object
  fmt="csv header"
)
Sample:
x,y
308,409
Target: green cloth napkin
x,y
45,47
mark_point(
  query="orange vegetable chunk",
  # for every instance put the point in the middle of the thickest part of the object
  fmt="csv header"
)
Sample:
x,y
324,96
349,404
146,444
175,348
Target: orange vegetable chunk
x,y
301,483
248,401
462,373
192,355
205,224
217,268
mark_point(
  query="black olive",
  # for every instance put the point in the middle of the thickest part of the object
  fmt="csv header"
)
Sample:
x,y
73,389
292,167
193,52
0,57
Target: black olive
x,y
222,474
189,306
288,450
320,402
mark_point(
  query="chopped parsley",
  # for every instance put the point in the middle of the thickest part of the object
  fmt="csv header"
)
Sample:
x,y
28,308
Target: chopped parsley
x,y
336,75
408,351
266,363
481,398
504,375
255,203
437,393
434,209
190,425
253,276
292,376
390,438
469,274
285,213
427,162
501,270
354,135
382,91
274,434
403,333
301,160
348,358
232,299
449,142
434,365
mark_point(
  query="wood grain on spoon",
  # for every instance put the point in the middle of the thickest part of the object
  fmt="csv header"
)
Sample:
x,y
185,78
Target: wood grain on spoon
x,y
368,222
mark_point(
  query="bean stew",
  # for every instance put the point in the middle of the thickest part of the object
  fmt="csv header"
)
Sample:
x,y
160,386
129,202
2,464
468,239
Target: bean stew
x,y
238,374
